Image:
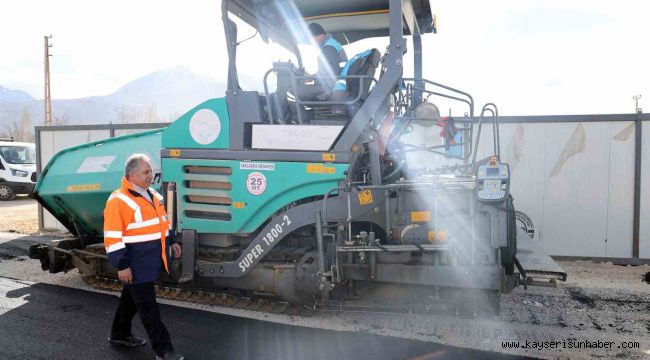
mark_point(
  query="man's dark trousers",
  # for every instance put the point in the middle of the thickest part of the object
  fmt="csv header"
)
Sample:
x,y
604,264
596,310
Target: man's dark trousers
x,y
141,298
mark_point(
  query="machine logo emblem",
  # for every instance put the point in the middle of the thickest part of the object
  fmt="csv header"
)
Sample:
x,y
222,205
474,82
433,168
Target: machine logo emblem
x,y
256,183
205,126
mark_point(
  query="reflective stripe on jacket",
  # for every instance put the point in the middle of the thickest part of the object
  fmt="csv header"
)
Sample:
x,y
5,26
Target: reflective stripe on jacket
x,y
330,41
135,232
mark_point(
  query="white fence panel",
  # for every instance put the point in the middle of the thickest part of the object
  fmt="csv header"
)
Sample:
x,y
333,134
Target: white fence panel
x,y
620,209
644,231
575,180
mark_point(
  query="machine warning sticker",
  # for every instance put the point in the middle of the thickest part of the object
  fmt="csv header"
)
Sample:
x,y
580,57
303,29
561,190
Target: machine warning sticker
x,y
246,165
420,216
256,183
95,164
365,197
320,169
205,126
175,152
84,187
435,236
329,157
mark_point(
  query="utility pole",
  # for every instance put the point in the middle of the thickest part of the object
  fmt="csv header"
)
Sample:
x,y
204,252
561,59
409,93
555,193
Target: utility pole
x,y
636,98
48,98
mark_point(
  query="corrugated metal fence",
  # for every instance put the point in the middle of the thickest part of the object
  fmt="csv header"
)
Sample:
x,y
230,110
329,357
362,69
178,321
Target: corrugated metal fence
x,y
574,177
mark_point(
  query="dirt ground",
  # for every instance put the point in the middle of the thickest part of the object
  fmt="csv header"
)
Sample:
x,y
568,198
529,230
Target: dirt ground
x,y
19,215
599,301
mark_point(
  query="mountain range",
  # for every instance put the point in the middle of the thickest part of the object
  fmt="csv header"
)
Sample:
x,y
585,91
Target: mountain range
x,y
14,95
161,96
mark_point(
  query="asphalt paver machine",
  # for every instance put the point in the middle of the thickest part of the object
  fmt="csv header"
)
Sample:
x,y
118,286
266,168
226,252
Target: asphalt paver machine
x,y
367,198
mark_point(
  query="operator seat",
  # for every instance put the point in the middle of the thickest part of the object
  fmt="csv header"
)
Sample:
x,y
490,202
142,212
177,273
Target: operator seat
x,y
351,88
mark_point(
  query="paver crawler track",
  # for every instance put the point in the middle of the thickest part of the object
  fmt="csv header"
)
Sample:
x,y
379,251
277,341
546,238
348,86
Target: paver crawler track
x,y
213,298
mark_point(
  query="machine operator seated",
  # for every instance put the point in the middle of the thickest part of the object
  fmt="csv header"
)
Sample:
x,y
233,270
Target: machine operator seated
x,y
331,59
345,82
318,87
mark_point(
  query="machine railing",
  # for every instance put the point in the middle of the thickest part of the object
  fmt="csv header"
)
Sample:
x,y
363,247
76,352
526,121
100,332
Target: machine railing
x,y
298,81
466,131
469,100
406,103
492,108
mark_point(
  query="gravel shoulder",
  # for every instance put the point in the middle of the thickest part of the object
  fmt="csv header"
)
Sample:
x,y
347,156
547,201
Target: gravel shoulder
x,y
19,215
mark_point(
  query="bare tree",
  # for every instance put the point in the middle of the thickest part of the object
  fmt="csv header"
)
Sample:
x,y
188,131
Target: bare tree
x,y
60,120
12,129
173,117
128,114
21,130
151,114
26,133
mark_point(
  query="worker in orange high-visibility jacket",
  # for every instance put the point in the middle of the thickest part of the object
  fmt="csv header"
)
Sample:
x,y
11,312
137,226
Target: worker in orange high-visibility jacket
x,y
136,231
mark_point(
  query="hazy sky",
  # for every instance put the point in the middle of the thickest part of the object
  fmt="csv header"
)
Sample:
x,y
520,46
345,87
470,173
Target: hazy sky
x,y
530,57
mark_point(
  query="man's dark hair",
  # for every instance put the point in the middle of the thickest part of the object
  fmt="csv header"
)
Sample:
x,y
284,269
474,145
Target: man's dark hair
x,y
316,29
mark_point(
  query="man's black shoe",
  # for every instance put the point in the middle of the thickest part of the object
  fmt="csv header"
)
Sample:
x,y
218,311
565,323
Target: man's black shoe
x,y
129,341
171,355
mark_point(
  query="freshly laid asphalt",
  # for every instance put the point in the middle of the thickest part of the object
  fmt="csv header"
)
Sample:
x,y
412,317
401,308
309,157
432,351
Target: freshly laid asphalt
x,y
43,321
53,322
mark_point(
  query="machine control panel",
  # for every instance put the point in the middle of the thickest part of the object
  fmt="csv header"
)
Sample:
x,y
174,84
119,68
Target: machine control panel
x,y
492,181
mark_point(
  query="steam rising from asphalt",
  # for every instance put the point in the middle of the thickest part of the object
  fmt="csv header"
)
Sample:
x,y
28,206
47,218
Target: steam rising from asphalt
x,y
447,214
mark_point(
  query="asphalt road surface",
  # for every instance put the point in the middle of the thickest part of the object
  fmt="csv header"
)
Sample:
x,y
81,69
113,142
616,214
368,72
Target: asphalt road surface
x,y
40,321
601,302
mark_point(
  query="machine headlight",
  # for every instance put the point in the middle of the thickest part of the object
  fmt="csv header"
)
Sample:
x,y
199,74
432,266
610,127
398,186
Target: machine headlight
x,y
19,173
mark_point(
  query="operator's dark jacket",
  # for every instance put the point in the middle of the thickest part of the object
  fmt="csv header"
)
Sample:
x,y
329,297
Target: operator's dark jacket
x,y
331,56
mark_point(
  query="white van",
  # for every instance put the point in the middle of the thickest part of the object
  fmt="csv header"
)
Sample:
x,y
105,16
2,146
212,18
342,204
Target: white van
x,y
17,169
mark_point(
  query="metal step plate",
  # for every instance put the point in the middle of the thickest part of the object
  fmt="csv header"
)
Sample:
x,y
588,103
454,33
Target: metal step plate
x,y
532,263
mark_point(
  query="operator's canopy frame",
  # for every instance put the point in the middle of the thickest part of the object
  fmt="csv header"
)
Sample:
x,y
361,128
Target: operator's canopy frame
x,y
284,21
